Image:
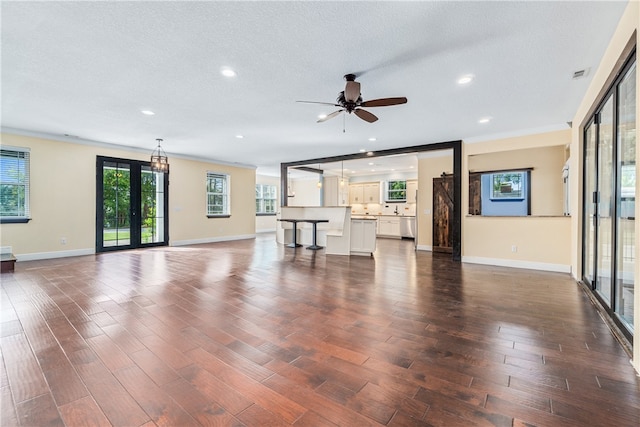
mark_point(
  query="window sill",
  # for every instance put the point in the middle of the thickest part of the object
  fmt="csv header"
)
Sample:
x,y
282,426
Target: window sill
x,y
265,214
14,220
219,216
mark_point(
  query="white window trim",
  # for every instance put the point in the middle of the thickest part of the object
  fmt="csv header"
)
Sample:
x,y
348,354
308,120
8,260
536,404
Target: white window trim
x,y
226,194
27,184
275,198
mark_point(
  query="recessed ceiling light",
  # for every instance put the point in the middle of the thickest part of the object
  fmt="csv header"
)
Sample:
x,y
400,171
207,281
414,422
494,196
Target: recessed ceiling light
x,y
227,72
239,136
484,120
370,163
372,139
147,112
410,167
369,153
322,116
362,150
466,79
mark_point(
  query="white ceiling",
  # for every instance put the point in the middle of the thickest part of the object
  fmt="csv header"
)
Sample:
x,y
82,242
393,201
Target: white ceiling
x,y
87,69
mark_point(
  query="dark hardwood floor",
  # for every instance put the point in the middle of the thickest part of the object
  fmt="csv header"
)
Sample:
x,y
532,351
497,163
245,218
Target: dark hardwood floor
x,y
252,333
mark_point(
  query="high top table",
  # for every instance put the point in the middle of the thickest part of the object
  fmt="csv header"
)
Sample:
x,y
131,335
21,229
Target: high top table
x,y
295,221
314,246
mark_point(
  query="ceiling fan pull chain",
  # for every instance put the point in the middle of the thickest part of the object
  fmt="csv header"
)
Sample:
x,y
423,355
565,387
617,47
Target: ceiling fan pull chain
x,y
344,120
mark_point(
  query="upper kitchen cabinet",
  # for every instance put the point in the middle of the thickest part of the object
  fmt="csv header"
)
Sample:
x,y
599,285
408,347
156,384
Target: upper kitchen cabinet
x,y
330,191
372,192
356,194
366,192
335,191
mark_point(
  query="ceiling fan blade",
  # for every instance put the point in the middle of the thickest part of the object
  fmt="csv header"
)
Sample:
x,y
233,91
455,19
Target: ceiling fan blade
x,y
384,102
330,116
321,103
352,91
365,115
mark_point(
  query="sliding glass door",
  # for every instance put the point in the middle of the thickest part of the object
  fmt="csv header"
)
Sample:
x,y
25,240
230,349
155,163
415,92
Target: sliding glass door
x,y
626,197
605,202
609,199
131,205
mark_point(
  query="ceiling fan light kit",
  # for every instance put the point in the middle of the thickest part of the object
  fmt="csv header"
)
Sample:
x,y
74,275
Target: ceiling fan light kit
x,y
350,100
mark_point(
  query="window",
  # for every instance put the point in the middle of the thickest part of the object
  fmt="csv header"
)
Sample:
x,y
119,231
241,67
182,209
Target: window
x,y
396,191
218,194
14,185
507,185
265,199
503,193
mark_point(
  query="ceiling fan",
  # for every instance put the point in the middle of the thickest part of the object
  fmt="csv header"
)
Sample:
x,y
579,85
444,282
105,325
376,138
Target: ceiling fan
x,y
350,100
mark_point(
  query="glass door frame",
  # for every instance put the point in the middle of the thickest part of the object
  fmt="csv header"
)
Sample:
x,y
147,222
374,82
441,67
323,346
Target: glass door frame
x,y
135,214
594,122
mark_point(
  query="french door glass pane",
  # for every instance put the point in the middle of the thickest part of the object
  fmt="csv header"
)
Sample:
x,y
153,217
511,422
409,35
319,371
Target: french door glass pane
x,y
117,204
605,206
589,212
625,197
151,206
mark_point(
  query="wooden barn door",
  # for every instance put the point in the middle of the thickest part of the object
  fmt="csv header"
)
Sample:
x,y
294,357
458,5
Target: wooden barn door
x,y
443,214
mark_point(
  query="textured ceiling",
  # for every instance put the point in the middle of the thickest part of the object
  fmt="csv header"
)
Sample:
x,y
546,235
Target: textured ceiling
x,y
87,69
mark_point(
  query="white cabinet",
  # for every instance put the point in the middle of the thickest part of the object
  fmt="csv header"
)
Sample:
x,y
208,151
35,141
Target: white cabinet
x,y
412,189
368,192
335,193
389,226
330,191
372,192
343,193
363,236
356,194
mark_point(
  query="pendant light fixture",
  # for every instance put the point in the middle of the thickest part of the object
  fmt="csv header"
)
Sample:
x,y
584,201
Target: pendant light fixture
x,y
290,192
342,175
159,159
319,178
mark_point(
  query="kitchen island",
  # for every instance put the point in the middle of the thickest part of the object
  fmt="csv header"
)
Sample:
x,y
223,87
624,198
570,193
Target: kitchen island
x,y
335,229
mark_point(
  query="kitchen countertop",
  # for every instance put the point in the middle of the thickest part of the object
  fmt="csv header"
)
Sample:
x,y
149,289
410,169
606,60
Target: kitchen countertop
x,y
377,216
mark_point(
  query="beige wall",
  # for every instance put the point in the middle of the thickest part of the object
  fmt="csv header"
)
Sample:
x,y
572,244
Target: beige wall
x,y
268,223
63,198
627,30
546,176
188,222
541,241
430,165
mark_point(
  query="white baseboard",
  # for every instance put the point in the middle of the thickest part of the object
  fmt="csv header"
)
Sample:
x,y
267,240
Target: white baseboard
x,y
57,254
266,230
211,240
529,265
424,248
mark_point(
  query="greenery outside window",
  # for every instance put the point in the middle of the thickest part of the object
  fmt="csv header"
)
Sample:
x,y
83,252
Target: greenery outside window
x,y
396,191
14,185
265,199
507,185
218,195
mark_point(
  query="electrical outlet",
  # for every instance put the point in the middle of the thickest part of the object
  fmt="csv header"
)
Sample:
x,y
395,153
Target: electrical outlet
x,y
514,248
63,240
